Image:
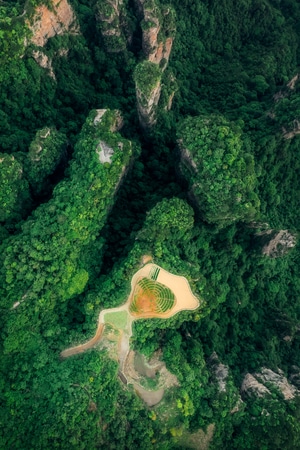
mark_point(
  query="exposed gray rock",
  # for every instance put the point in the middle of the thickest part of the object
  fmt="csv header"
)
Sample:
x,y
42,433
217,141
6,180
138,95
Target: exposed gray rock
x,y
147,105
158,28
250,386
279,380
279,242
105,152
291,84
220,371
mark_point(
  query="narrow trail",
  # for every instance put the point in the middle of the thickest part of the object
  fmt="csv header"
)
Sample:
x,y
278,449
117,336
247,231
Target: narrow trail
x,y
81,348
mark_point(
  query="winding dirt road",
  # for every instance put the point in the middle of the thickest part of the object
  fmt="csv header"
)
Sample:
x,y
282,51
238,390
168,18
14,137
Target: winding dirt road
x,y
81,348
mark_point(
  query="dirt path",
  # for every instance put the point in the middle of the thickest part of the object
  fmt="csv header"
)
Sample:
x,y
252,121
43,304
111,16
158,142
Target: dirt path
x,y
81,348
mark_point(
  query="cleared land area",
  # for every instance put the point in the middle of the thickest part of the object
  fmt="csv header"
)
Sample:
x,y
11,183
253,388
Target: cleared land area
x,y
155,293
158,293
151,298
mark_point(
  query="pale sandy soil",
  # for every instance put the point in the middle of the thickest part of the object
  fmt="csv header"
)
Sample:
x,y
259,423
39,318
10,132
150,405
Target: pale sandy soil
x,y
146,259
129,368
185,299
149,397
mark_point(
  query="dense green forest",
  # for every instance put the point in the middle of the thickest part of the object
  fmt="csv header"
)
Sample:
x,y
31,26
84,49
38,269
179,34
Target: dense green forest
x,y
209,189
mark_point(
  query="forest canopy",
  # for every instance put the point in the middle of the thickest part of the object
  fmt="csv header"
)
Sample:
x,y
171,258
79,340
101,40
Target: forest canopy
x,y
136,132
222,175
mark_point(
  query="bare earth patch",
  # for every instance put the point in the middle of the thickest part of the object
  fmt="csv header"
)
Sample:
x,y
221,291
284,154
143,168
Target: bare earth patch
x,y
146,259
177,285
154,293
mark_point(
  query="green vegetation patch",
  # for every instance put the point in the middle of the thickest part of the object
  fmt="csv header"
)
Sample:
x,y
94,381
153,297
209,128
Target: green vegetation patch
x,y
13,187
223,177
117,319
45,153
154,273
146,76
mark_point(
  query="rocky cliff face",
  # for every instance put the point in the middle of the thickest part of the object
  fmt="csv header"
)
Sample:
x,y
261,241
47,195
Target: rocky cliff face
x,y
147,77
291,127
158,31
46,24
158,27
220,371
111,17
186,157
257,383
289,134
44,61
251,386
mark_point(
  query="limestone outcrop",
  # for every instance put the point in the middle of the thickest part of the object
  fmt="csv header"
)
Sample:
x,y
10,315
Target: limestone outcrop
x,y
260,383
158,31
48,23
158,28
289,134
116,122
224,382
291,84
147,77
250,386
220,371
276,243
278,380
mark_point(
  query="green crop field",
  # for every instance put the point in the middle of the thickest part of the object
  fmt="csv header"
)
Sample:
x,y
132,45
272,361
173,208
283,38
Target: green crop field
x,y
117,319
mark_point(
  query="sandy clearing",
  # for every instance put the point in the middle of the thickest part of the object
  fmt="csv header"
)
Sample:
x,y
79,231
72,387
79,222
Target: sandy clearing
x,y
185,300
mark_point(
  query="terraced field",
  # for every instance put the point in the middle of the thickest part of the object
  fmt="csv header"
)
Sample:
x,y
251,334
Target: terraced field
x,y
151,298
